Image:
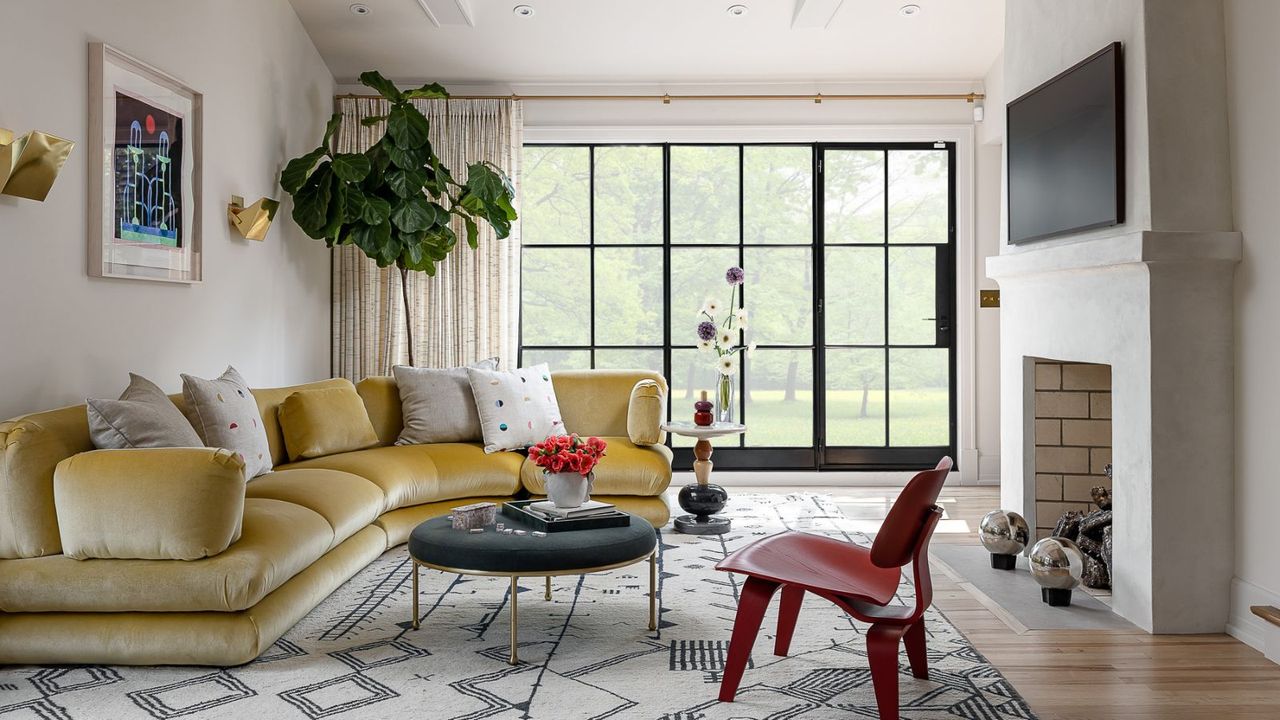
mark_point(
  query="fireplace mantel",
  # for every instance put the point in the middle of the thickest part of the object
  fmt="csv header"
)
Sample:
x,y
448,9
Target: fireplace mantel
x,y
1157,307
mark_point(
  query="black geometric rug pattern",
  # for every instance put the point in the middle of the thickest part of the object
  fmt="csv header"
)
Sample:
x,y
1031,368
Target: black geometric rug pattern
x,y
586,654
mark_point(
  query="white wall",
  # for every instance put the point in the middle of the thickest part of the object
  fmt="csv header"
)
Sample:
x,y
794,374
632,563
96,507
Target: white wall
x,y
263,307
1253,61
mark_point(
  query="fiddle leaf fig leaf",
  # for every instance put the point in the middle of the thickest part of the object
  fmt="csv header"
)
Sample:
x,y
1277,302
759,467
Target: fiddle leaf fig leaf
x,y
385,88
372,120
354,208
372,238
311,203
330,128
406,183
298,169
352,167
407,158
413,214
407,126
376,210
430,91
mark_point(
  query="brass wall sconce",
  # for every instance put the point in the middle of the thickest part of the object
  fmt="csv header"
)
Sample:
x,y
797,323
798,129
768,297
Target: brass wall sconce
x,y
29,164
254,221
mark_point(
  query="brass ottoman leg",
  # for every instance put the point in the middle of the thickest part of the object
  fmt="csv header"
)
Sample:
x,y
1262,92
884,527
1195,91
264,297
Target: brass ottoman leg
x,y
515,622
653,591
415,593
547,595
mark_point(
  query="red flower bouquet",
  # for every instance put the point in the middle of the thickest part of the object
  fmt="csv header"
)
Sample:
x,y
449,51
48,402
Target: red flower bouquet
x,y
568,453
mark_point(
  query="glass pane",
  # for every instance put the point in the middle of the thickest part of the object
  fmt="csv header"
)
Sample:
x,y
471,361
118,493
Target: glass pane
x,y
918,195
555,203
777,195
628,296
558,359
855,295
779,295
555,304
704,195
853,196
912,295
697,274
628,195
693,371
779,398
855,397
629,359
919,393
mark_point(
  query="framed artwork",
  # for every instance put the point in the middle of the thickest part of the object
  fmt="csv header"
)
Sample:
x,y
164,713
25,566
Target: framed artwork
x,y
144,180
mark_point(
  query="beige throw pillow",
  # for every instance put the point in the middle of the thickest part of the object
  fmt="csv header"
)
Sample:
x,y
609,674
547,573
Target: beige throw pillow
x,y
225,414
438,404
517,409
143,417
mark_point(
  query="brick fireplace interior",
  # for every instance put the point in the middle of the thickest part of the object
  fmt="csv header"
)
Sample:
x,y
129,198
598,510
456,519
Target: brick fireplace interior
x,y
1072,438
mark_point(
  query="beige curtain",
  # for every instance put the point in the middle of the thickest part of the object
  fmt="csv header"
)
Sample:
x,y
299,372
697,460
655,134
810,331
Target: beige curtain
x,y
470,309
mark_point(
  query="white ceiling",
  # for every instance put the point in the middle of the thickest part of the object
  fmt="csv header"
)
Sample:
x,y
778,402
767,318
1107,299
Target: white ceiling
x,y
658,41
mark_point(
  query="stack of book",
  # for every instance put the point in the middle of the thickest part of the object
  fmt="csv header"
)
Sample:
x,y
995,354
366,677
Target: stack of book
x,y
590,508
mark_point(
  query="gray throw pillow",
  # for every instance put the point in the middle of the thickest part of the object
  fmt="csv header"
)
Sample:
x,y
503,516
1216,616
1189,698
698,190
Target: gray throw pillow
x,y
225,414
438,404
143,417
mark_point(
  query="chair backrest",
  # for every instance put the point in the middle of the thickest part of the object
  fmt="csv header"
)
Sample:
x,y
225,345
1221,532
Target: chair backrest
x,y
907,519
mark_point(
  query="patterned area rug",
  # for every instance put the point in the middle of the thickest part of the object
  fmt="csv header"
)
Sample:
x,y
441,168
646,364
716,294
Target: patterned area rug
x,y
587,653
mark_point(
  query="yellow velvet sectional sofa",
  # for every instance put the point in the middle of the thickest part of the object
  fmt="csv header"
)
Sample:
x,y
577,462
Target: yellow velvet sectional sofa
x,y
296,533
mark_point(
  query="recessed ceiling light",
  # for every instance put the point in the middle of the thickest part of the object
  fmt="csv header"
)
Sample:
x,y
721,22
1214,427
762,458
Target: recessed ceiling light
x,y
909,10
737,10
523,10
359,9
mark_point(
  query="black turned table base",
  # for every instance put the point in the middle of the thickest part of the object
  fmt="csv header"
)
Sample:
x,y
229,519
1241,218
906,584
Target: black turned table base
x,y
703,524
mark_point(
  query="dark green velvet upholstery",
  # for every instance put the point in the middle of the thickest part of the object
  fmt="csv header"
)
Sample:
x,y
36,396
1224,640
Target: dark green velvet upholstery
x,y
436,542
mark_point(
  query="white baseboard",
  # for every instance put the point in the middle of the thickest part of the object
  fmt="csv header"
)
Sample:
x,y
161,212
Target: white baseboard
x,y
805,478
1248,628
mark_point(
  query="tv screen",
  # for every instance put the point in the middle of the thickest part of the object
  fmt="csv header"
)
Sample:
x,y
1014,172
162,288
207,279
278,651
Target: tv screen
x,y
1066,151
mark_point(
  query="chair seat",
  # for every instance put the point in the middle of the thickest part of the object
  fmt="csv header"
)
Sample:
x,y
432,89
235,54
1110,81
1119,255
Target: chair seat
x,y
821,564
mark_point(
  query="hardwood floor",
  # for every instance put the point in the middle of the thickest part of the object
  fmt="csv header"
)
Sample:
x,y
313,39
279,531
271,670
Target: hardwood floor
x,y
1085,675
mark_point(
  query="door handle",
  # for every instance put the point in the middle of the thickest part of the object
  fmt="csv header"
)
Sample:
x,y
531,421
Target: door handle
x,y
944,322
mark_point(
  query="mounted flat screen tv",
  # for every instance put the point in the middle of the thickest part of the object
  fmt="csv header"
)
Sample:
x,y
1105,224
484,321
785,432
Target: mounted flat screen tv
x,y
1066,151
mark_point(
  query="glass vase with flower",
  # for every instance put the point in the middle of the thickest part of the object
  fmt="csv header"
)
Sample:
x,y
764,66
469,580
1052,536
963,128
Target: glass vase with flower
x,y
720,331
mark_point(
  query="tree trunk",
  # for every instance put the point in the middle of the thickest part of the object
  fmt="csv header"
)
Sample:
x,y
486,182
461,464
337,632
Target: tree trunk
x,y
866,391
408,321
793,368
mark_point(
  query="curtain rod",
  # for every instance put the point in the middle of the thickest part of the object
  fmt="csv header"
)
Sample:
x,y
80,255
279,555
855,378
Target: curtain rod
x,y
666,99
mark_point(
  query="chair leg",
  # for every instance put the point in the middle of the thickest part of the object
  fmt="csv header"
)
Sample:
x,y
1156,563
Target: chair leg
x,y
752,602
882,655
914,640
792,597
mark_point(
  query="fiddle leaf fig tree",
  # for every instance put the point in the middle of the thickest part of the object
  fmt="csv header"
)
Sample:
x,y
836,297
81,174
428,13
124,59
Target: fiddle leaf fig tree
x,y
396,201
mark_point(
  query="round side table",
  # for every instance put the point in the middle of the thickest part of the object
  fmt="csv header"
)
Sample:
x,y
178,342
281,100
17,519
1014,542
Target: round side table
x,y
703,499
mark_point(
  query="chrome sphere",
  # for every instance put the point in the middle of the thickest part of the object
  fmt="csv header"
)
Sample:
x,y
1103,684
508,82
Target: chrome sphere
x,y
1003,532
1056,562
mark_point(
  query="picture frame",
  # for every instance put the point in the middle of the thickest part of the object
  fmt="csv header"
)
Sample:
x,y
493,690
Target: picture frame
x,y
145,160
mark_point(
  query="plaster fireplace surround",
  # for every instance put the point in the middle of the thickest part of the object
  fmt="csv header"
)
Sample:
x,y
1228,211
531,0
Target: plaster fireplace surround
x,y
1151,298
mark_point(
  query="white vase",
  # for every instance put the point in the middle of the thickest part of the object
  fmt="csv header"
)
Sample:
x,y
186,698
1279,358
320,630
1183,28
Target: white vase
x,y
569,489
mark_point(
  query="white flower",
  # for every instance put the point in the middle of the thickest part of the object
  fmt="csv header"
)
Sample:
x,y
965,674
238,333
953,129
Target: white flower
x,y
728,364
710,307
740,317
705,346
727,338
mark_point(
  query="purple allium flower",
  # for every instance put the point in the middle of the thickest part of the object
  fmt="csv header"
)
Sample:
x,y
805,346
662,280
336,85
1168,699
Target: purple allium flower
x,y
706,330
734,275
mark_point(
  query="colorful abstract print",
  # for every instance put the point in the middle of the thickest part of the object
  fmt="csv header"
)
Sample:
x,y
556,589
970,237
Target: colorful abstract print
x,y
148,173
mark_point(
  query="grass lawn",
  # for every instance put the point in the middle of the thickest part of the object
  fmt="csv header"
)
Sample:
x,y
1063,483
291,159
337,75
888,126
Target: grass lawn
x,y
920,417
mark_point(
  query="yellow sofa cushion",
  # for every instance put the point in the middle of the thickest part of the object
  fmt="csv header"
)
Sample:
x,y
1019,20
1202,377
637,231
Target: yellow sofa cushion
x,y
278,540
149,503
30,448
382,402
596,402
325,421
348,502
646,412
416,474
626,469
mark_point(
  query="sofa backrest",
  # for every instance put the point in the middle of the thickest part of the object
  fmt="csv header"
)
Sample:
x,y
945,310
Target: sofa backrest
x,y
32,446
592,402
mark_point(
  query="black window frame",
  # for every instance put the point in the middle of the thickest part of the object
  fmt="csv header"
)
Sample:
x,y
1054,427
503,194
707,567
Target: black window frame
x,y
818,456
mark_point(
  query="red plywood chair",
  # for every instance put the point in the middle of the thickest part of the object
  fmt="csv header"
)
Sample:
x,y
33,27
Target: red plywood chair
x,y
861,581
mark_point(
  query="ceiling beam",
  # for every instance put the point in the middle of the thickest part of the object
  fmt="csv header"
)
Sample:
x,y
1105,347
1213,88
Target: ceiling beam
x,y
814,13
